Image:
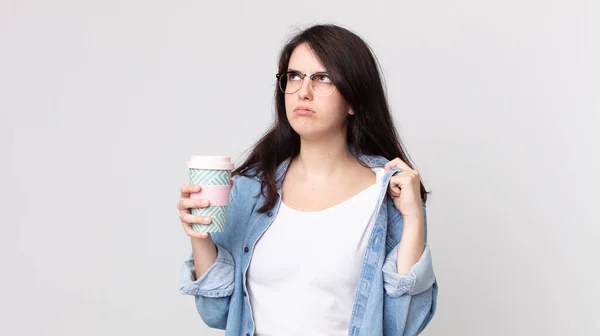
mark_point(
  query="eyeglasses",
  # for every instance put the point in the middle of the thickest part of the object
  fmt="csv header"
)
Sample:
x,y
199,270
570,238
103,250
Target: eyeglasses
x,y
291,81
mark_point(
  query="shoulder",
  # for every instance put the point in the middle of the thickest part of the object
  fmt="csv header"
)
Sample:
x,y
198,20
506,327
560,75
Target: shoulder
x,y
245,190
245,183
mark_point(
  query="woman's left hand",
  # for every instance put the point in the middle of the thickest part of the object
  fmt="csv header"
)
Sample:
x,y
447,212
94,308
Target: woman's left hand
x,y
405,189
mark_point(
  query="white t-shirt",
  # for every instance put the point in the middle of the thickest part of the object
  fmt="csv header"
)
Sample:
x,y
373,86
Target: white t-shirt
x,y
305,268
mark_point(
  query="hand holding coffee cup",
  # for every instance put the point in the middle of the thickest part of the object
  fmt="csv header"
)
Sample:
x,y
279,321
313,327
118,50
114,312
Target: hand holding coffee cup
x,y
207,196
185,205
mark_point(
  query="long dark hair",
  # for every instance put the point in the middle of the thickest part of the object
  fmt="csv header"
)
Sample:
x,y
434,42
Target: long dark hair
x,y
355,71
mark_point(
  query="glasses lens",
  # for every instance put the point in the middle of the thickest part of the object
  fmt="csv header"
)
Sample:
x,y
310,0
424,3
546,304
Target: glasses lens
x,y
290,82
322,85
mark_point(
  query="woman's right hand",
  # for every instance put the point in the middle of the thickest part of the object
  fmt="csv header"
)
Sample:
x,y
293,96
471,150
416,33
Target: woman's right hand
x,y
185,204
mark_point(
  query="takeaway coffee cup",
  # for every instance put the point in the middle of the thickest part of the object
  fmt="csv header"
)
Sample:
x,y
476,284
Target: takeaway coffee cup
x,y
213,174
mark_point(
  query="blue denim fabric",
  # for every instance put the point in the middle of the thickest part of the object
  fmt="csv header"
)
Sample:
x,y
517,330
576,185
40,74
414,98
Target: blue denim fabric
x,y
386,303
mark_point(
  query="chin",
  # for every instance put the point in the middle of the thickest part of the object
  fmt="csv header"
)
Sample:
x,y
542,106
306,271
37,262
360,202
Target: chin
x,y
303,130
309,132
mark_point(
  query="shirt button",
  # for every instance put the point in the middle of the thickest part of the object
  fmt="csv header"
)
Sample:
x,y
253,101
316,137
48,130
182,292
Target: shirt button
x,y
246,249
269,214
244,293
247,334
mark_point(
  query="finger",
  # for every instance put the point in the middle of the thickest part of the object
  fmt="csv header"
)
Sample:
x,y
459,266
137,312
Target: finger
x,y
402,165
180,206
190,232
397,179
186,189
395,191
182,210
189,218
405,178
391,164
396,183
397,162
189,203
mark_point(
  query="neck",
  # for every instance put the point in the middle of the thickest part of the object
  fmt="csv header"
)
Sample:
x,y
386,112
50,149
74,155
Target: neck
x,y
323,158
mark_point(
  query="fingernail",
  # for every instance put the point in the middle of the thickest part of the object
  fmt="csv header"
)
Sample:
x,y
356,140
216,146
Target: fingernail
x,y
207,220
205,203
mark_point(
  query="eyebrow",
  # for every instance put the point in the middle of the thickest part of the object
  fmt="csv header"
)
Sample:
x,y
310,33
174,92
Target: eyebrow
x,y
294,70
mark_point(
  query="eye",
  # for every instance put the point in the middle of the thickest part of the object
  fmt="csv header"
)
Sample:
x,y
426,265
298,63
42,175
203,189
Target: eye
x,y
293,76
324,79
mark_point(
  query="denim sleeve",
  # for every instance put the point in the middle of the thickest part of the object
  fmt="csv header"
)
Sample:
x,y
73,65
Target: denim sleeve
x,y
419,278
217,281
212,291
408,315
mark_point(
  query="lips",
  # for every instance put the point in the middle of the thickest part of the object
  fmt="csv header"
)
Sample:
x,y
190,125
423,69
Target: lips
x,y
303,109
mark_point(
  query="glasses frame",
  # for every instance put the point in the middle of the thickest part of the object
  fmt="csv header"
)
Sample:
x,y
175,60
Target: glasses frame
x,y
304,75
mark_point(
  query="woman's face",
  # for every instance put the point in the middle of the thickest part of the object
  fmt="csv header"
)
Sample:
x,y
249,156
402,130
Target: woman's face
x,y
326,115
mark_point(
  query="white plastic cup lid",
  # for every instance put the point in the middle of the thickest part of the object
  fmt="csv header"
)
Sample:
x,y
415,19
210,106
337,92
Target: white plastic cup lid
x,y
210,162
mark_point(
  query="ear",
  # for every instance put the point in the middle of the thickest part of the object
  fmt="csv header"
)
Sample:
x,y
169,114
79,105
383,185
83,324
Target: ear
x,y
350,111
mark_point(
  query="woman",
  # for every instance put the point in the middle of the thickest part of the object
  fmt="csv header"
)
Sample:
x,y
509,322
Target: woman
x,y
324,235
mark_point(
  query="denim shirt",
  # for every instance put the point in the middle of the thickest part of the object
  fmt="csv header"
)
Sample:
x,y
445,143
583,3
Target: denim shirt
x,y
386,303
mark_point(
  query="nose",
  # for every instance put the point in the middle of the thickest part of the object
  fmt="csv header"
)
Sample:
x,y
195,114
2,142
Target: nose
x,y
305,91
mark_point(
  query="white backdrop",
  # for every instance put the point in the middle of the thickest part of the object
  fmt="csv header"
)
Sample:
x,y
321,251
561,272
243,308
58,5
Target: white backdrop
x,y
102,102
